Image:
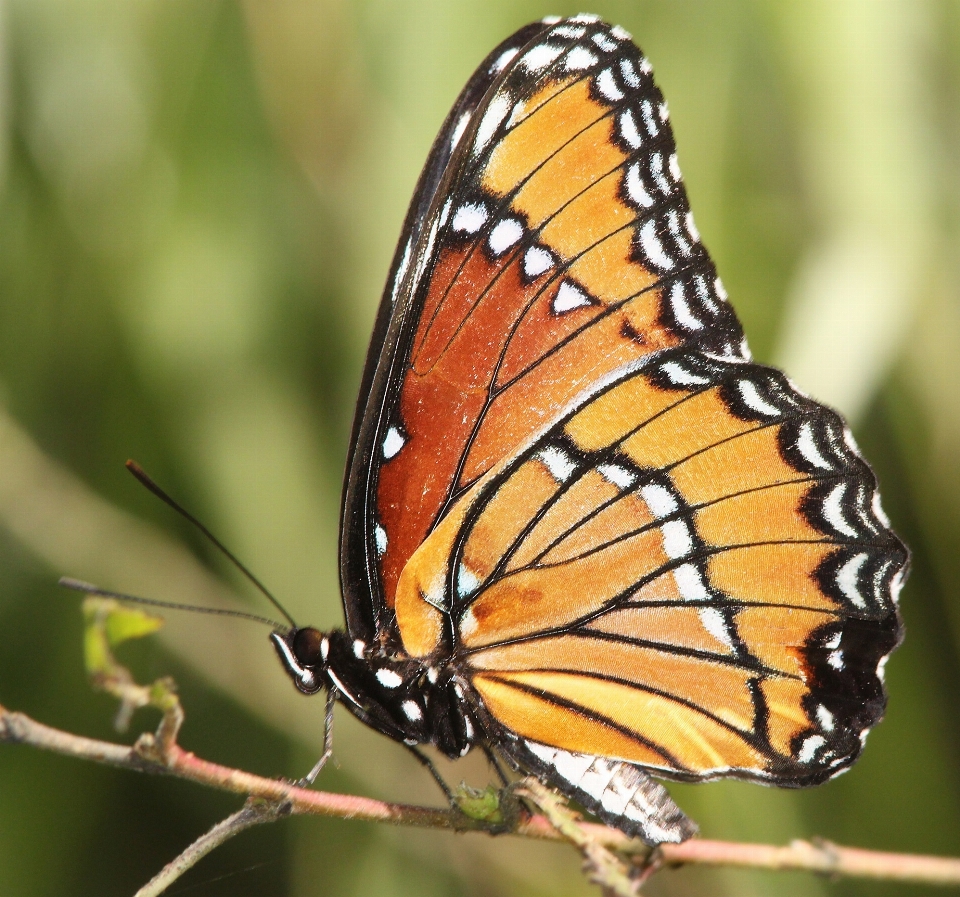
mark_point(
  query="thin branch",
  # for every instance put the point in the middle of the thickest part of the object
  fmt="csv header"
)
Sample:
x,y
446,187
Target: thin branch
x,y
821,857
253,813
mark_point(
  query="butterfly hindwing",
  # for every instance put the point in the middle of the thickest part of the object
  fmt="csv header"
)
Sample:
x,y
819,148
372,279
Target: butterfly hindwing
x,y
690,571
558,246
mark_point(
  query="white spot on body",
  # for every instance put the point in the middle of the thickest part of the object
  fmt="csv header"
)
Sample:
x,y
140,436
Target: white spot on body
x,y
752,399
359,646
848,577
504,235
568,298
432,675
342,688
324,647
580,58
653,248
412,711
558,462
392,443
470,217
389,678
536,261
608,87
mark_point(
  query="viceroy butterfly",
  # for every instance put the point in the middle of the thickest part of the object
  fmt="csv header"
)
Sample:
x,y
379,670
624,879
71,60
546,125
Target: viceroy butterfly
x,y
580,527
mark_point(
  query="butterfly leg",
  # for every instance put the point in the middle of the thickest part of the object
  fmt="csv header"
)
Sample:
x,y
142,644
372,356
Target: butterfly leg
x,y
425,761
309,778
495,763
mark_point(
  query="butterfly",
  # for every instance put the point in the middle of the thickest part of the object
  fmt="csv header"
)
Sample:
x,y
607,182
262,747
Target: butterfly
x,y
581,528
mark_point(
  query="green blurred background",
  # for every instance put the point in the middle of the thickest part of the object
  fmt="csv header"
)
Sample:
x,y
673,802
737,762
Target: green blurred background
x,y
198,204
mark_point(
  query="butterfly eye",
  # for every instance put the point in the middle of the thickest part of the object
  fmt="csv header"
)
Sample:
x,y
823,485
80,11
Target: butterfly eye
x,y
308,646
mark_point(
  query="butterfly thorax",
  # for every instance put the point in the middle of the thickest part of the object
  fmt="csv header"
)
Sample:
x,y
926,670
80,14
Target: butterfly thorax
x,y
406,698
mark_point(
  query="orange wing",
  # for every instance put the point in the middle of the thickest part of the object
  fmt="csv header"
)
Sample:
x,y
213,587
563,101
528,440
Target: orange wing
x,y
559,247
690,572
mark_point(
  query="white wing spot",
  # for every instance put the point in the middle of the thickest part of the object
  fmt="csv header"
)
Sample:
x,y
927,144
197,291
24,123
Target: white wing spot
x,y
621,33
878,511
835,659
646,112
495,114
380,538
635,189
470,217
558,462
680,376
608,87
571,31
504,58
392,443
587,18
752,398
807,446
848,578
568,298
833,511
677,541
690,583
681,308
653,248
673,166
580,58
716,624
656,168
504,235
467,581
604,42
540,57
462,123
659,500
628,129
619,476
536,261
629,73
811,744
691,227
825,718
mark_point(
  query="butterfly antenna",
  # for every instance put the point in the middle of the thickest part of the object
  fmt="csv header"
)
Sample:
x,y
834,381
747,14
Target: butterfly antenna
x,y
79,585
146,481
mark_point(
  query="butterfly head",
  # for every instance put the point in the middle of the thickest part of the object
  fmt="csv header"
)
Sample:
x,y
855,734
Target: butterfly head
x,y
303,653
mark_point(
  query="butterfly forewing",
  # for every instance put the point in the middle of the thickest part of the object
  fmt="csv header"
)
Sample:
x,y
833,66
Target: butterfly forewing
x,y
562,247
